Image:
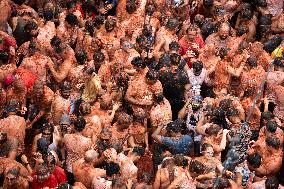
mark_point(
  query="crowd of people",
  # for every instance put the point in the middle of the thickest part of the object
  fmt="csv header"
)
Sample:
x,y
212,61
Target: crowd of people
x,y
141,94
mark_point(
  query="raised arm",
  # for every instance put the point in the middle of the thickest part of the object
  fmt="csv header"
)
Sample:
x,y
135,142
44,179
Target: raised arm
x,y
62,72
156,135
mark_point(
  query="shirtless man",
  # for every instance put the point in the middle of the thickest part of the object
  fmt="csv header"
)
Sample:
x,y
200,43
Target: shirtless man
x,y
165,35
110,35
67,54
276,95
246,18
14,179
67,31
14,125
62,103
142,88
161,112
271,154
5,15
271,129
84,170
76,145
220,39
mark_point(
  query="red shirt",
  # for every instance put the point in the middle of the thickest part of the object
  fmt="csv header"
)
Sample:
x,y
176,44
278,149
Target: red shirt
x,y
50,182
186,45
60,175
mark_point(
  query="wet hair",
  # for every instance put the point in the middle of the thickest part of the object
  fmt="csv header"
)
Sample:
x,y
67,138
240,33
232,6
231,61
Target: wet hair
x,y
232,112
174,46
242,46
197,167
261,3
80,124
273,141
213,129
98,21
223,52
47,127
71,3
31,25
252,61
19,2
72,19
65,86
4,56
152,75
242,29
207,28
272,126
197,65
112,169
172,24
138,62
199,20
225,104
98,56
102,145
110,24
165,60
175,126
48,14
272,44
277,62
180,160
89,27
51,159
147,30
221,183
254,160
246,11
130,7
150,9
139,151
81,57
124,119
208,3
175,58
159,98
267,115
265,20
205,146
271,183
55,41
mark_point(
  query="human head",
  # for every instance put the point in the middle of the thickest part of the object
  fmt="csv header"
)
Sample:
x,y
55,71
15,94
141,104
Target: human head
x,y
267,116
174,46
80,124
159,98
85,108
56,44
112,169
124,120
175,128
225,104
272,44
72,19
208,3
214,129
110,24
242,29
48,12
164,61
272,141
196,103
147,30
42,146
91,156
252,61
224,31
207,28
199,20
180,161
272,126
81,56
222,183
3,137
271,183
246,11
175,59
42,173
254,160
4,57
51,162
31,28
137,153
106,102
99,21
223,52
197,167
89,27
65,123
12,176
207,150
150,9
172,24
131,6
65,89
152,76
138,63
47,131
192,31
197,67
12,107
139,114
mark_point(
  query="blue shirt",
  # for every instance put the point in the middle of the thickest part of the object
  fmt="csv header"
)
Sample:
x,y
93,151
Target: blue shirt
x,y
181,146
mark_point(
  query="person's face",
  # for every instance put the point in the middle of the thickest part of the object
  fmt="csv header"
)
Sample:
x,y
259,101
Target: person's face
x,y
11,179
109,26
151,81
65,93
86,109
224,32
209,152
34,33
3,137
46,134
64,128
196,71
191,34
38,93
